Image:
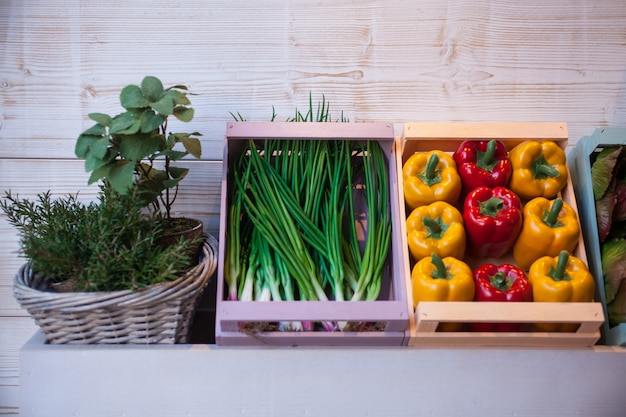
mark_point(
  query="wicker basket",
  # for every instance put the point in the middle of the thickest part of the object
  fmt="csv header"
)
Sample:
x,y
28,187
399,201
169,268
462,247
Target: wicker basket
x,y
159,313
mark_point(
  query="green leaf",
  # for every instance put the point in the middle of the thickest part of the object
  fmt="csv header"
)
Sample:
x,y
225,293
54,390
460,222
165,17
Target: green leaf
x,y
602,170
83,144
184,114
604,214
178,87
174,155
613,266
95,130
137,147
616,310
121,176
152,88
151,121
93,163
164,105
154,180
101,118
131,97
178,173
100,172
100,147
178,97
173,182
124,123
193,146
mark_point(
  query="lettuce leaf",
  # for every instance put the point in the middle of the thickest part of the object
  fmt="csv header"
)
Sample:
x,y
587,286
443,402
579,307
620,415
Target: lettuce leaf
x,y
613,266
604,214
602,170
617,308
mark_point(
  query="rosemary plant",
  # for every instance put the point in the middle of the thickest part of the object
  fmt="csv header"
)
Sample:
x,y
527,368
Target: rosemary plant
x,y
105,245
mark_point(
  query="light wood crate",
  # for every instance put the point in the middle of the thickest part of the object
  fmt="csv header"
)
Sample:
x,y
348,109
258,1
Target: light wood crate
x,y
389,312
422,330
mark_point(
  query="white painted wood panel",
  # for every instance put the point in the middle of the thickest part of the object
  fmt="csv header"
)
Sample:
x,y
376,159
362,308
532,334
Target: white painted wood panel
x,y
385,61
14,333
394,61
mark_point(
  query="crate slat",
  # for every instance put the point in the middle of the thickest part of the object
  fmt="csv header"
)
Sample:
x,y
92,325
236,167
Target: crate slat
x,y
430,314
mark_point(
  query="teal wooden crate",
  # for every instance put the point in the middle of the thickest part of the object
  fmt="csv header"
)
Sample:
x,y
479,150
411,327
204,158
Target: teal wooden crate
x,y
580,168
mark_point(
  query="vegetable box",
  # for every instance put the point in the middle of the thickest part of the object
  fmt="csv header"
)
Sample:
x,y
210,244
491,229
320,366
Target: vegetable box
x,y
580,166
427,327
380,322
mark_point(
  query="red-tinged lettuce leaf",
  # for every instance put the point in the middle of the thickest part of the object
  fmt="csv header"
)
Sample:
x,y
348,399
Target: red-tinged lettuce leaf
x,y
613,266
617,308
604,214
602,170
618,231
619,212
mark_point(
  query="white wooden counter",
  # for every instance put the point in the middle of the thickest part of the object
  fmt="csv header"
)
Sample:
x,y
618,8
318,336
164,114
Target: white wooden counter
x,y
206,380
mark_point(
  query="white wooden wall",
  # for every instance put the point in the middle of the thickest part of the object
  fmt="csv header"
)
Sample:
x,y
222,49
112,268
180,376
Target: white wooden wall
x,y
392,60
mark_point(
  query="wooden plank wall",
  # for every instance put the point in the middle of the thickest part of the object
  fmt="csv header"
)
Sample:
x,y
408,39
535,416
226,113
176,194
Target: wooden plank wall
x,y
392,60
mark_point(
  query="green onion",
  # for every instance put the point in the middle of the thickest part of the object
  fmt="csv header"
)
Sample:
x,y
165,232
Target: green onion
x,y
378,223
293,226
270,216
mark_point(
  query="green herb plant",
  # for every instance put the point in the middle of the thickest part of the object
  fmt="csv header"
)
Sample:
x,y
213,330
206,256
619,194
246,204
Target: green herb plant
x,y
122,149
105,245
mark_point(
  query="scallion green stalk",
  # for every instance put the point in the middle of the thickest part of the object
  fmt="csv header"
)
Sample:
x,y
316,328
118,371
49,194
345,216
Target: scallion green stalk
x,y
297,196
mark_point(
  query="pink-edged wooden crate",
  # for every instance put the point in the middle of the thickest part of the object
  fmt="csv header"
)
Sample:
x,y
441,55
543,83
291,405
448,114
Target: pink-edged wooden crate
x,y
423,325
251,323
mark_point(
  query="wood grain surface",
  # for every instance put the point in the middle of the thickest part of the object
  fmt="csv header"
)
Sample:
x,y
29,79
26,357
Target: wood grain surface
x,y
394,61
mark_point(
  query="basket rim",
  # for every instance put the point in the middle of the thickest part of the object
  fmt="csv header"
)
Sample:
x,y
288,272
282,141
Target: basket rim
x,y
195,278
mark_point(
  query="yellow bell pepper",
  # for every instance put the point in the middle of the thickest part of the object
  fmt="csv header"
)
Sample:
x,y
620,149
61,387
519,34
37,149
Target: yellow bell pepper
x,y
429,177
436,228
539,169
437,279
548,227
564,278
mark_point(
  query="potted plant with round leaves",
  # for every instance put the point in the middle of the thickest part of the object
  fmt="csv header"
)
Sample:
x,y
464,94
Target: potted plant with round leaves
x,y
126,286
135,148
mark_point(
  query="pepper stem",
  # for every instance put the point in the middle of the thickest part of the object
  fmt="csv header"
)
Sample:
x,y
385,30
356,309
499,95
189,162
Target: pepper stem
x,y
435,227
550,217
542,169
491,207
500,281
558,273
486,160
440,268
430,174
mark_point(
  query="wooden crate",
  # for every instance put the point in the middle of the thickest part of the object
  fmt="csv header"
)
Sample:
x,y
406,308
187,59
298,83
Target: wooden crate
x,y
580,166
422,328
237,323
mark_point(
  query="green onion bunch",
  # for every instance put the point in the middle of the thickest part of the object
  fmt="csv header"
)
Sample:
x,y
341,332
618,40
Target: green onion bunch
x,y
308,220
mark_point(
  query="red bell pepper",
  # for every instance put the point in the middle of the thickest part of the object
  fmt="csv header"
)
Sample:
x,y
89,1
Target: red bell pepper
x,y
503,282
492,219
482,162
